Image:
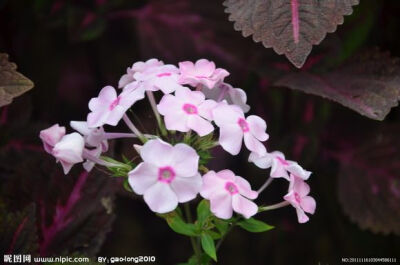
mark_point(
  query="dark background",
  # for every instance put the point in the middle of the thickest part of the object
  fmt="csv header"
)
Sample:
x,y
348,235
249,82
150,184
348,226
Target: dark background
x,y
71,49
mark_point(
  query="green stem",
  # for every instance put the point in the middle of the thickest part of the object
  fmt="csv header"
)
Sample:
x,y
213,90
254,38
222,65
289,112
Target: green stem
x,y
273,206
193,241
219,243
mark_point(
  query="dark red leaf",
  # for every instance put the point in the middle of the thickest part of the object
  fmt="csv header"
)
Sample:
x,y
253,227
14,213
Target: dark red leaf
x,y
369,183
290,27
368,84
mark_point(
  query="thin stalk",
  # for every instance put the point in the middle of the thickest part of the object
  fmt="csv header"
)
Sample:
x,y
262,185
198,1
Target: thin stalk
x,y
219,243
110,136
273,206
195,245
153,104
265,185
94,159
133,128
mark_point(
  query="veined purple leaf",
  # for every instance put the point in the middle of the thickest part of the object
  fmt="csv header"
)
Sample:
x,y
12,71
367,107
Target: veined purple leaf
x,y
12,83
290,27
369,183
368,84
18,233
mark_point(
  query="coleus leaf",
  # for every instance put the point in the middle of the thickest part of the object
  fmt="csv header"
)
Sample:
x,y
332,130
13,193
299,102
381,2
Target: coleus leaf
x,y
12,83
73,212
290,27
369,182
18,233
368,84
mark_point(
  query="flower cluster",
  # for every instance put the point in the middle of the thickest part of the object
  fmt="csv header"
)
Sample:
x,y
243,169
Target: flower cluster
x,y
197,111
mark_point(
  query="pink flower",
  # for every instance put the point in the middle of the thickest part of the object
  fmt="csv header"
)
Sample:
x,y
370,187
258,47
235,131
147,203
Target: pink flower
x,y
68,151
167,175
137,67
280,168
202,72
224,91
51,136
234,127
108,107
187,110
164,78
297,197
94,137
228,193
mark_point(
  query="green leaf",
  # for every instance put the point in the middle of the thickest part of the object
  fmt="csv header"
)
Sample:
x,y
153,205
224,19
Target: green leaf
x,y
12,83
221,225
254,226
176,223
207,243
203,212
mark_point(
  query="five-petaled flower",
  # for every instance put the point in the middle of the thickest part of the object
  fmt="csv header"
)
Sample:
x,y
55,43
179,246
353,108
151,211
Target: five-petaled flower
x,y
234,127
202,72
68,151
168,175
228,193
108,107
299,199
187,110
280,167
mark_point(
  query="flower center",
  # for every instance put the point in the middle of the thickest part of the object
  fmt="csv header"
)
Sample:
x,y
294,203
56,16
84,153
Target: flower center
x,y
231,188
166,174
297,197
243,125
164,74
282,161
115,103
190,109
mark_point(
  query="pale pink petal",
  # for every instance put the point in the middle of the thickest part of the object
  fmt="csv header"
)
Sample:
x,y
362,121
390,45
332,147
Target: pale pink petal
x,y
301,216
230,138
142,177
238,97
257,127
199,125
51,136
115,115
254,145
227,114
211,184
278,170
308,204
244,206
97,119
221,204
106,95
128,98
125,80
160,198
301,187
205,109
81,127
167,85
170,104
188,96
245,188
263,162
297,170
204,67
184,160
186,67
66,166
226,174
156,152
290,197
186,189
69,148
177,122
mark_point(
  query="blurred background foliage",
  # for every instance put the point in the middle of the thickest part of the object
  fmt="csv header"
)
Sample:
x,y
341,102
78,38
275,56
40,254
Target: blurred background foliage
x,y
71,49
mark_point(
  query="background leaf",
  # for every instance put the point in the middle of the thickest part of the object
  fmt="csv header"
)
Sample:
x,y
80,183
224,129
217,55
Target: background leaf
x,y
12,83
290,27
255,226
207,243
369,84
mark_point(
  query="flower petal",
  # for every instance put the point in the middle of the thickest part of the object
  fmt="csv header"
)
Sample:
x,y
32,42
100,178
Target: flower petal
x,y
221,205
301,216
254,145
257,127
160,198
184,160
230,138
156,152
244,206
308,204
199,125
186,189
211,183
245,188
142,177
227,114
263,162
